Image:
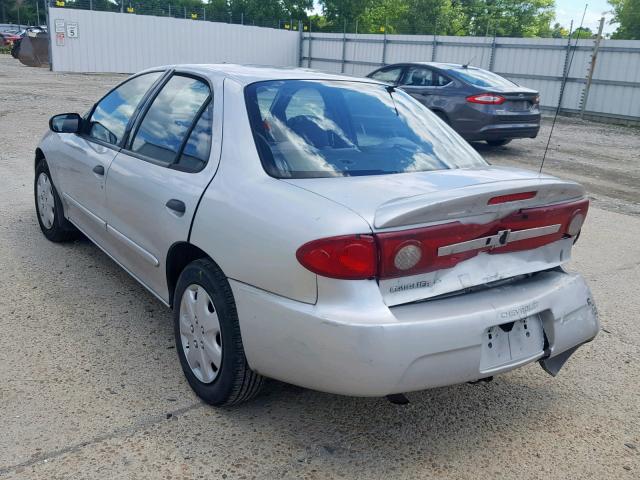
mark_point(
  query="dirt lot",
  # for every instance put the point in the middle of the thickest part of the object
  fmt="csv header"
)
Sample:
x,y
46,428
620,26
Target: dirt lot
x,y
90,385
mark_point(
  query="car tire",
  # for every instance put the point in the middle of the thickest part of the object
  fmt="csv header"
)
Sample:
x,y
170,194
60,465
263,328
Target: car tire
x,y
498,143
207,331
49,208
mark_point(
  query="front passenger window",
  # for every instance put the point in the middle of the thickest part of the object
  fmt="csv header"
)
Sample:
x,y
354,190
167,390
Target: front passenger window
x,y
169,119
111,116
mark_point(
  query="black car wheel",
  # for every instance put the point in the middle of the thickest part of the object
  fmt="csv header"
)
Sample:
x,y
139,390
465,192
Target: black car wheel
x,y
208,337
49,207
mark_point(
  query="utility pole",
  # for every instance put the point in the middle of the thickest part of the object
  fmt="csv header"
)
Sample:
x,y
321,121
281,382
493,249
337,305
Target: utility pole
x,y
592,67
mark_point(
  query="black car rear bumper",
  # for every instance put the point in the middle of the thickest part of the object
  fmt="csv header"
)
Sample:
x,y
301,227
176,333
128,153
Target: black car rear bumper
x,y
504,130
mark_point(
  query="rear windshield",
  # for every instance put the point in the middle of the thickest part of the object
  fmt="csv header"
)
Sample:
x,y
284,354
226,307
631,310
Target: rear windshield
x,y
480,78
310,128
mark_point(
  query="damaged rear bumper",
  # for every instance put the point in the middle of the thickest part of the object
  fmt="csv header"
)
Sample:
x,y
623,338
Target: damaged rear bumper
x,y
368,349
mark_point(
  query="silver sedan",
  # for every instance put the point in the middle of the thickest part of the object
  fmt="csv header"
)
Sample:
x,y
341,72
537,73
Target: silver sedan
x,y
317,229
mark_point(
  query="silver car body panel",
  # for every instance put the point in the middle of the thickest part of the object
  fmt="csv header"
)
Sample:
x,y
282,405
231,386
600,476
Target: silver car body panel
x,y
142,228
353,344
345,336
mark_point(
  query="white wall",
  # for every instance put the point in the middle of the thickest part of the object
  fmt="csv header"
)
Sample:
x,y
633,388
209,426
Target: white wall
x,y
124,43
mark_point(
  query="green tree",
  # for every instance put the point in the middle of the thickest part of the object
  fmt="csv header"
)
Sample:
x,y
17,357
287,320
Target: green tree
x,y
627,14
508,18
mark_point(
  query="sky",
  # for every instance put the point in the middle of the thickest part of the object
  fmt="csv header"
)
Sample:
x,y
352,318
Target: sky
x,y
566,10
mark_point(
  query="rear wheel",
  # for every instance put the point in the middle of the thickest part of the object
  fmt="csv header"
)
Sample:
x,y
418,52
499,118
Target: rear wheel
x,y
49,207
498,143
208,339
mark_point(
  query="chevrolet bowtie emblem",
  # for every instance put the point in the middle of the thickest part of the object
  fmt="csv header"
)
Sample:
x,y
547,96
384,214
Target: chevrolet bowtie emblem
x,y
500,239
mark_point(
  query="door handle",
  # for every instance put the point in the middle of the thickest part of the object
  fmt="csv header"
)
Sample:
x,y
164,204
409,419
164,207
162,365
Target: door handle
x,y
98,170
177,206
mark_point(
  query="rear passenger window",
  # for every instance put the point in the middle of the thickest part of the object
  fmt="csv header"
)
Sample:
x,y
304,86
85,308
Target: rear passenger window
x,y
418,77
441,81
196,151
169,119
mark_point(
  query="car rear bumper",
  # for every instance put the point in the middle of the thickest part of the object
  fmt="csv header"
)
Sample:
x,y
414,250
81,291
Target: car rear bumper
x,y
501,131
343,349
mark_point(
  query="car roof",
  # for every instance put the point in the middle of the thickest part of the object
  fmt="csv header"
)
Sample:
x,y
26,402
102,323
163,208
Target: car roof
x,y
440,65
246,74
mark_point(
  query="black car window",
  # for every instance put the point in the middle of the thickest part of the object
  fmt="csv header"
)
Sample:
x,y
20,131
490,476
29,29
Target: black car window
x,y
196,151
111,115
418,77
388,75
305,102
441,80
169,119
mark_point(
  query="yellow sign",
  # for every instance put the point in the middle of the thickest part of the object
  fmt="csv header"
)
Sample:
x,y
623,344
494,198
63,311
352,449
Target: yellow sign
x,y
130,10
382,29
306,28
286,26
59,3
194,16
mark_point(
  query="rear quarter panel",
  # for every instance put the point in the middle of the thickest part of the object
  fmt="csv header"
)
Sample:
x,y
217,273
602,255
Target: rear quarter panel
x,y
252,224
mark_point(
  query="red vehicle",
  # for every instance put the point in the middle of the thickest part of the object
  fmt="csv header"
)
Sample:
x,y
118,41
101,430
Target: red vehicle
x,y
9,37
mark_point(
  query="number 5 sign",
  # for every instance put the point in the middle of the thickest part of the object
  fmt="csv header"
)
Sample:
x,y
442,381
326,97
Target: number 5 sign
x,y
72,29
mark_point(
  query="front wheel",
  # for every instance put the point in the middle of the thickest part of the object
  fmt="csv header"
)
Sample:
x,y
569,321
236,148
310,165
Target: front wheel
x,y
49,207
498,143
208,339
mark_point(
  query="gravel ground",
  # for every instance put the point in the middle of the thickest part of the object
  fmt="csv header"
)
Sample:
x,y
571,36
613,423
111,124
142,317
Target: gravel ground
x,y
91,387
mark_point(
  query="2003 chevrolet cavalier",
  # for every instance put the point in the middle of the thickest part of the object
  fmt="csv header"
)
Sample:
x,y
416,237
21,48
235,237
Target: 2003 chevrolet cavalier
x,y
318,229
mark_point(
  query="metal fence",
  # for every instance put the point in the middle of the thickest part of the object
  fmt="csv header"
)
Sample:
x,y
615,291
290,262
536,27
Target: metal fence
x,y
608,87
539,63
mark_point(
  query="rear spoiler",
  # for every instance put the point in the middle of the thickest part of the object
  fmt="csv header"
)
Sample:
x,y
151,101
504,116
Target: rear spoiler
x,y
474,201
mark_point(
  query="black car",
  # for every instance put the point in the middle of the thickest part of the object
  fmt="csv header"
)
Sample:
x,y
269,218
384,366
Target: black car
x,y
477,103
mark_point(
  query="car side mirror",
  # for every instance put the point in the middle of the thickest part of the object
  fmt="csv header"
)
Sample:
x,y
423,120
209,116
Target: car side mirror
x,y
65,123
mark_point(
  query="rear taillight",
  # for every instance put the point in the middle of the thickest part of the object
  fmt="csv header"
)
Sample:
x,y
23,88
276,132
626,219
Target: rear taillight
x,y
486,99
536,100
348,257
422,250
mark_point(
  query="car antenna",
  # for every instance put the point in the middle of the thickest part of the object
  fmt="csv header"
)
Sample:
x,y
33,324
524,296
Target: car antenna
x,y
564,83
466,65
390,89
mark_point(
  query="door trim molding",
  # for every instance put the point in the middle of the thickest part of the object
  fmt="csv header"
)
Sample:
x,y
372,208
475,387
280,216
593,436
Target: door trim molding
x,y
84,210
148,256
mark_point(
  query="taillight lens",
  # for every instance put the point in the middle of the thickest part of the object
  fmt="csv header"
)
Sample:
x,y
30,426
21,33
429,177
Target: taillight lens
x,y
486,99
422,250
348,257
511,197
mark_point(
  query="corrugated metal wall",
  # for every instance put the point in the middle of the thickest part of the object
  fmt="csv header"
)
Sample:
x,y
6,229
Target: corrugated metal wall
x,y
536,63
116,42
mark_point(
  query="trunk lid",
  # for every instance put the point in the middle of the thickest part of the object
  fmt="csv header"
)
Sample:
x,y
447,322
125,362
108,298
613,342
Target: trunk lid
x,y
473,199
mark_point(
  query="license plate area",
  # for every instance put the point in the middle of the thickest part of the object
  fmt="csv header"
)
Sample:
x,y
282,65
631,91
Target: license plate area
x,y
511,342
